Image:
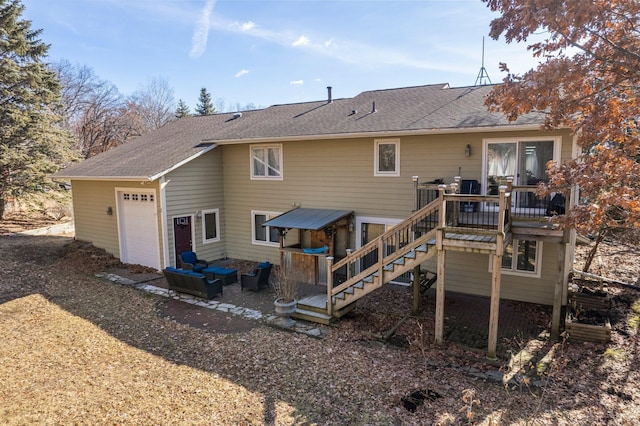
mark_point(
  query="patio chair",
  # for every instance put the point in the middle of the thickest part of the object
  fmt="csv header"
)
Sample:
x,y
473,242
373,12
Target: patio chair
x,y
189,260
256,279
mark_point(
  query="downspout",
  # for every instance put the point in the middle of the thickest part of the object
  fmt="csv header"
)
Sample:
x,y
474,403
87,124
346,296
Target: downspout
x,y
163,220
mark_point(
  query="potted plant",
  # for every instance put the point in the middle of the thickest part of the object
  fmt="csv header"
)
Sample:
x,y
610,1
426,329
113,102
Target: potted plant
x,y
286,286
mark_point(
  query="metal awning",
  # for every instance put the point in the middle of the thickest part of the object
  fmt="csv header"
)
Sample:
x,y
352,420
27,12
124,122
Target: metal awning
x,y
313,219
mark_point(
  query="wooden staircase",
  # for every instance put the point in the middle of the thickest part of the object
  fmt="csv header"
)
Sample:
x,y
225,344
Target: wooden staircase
x,y
394,253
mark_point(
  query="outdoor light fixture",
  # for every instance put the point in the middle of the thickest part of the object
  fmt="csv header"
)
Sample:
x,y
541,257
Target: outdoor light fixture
x,y
109,211
467,151
199,214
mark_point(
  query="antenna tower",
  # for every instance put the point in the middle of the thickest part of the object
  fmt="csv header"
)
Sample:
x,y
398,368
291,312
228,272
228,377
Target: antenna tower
x,y
483,76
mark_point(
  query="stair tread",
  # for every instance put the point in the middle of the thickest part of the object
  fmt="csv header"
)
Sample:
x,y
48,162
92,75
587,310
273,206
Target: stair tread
x,y
313,314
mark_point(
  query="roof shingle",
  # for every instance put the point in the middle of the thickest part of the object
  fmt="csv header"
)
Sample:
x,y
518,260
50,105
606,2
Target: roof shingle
x,y
411,109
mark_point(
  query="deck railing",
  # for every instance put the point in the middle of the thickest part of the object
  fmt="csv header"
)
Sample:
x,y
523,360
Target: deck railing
x,y
528,205
478,212
481,212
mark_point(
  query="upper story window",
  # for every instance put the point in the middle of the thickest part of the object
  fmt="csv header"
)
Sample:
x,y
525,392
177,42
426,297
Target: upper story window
x,y
387,157
210,225
266,162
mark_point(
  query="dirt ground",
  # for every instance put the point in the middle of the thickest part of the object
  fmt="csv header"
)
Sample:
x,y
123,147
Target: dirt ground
x,y
80,350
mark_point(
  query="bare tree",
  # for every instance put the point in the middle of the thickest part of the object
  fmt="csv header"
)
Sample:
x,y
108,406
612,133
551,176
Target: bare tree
x,y
154,103
94,110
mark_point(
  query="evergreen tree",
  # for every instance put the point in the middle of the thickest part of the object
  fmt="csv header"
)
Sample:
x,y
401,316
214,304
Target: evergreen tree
x,y
32,143
205,106
182,110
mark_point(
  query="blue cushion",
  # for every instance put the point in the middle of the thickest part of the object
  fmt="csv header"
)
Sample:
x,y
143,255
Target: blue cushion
x,y
318,250
195,274
198,268
263,265
189,257
171,269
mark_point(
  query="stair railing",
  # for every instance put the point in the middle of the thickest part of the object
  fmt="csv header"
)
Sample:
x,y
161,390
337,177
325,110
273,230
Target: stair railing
x,y
373,256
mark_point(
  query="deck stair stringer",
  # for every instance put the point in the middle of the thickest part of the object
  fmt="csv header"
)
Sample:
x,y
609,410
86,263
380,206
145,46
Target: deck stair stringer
x,y
402,249
391,270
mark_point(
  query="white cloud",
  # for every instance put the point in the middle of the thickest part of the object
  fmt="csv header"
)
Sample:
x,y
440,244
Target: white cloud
x,y
201,32
296,82
329,42
241,73
301,41
247,26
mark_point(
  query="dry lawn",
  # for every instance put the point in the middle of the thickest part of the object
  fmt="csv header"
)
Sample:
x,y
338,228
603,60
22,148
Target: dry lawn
x,y
79,350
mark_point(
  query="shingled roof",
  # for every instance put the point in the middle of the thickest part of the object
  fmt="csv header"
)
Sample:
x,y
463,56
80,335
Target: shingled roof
x,y
392,112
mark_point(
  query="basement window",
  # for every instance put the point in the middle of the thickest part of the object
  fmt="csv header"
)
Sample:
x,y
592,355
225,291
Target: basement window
x,y
521,257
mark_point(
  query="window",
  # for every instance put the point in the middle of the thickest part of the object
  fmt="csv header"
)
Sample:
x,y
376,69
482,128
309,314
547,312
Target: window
x,y
264,235
266,162
522,257
210,226
387,157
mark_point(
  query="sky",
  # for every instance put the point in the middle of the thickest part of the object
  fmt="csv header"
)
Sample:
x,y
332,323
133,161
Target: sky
x,y
266,52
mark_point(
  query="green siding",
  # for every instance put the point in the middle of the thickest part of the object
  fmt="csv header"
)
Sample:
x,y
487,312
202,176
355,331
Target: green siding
x,y
193,187
338,174
469,273
90,202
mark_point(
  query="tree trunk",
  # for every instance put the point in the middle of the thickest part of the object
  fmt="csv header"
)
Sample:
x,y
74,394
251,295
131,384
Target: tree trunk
x,y
2,206
594,249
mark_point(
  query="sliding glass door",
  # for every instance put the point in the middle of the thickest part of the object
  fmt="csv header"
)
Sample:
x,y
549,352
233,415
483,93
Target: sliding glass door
x,y
525,160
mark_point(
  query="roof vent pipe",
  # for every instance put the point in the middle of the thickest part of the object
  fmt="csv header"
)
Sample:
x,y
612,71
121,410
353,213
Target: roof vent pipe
x,y
329,99
373,109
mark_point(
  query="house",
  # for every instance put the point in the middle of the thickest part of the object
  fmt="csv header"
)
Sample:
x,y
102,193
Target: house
x,y
353,170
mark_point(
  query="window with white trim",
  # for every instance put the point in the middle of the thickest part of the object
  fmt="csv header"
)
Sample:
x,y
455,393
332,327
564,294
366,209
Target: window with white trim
x,y
521,257
387,157
266,162
210,226
264,235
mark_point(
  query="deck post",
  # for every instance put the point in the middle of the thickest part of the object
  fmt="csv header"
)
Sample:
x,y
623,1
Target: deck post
x,y
416,290
443,207
495,307
455,189
329,285
439,331
556,315
416,205
497,277
381,261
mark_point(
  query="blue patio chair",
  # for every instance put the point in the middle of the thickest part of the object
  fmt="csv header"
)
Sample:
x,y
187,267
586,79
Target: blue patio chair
x,y
189,260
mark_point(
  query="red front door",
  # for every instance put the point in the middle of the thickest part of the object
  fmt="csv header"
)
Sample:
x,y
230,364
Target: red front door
x,y
182,236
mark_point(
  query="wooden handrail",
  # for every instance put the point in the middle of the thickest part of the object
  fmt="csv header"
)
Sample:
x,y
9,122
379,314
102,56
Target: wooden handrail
x,y
425,211
378,245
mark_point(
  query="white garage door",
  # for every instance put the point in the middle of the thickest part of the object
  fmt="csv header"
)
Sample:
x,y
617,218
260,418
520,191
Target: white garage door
x,y
138,225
